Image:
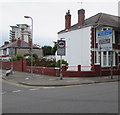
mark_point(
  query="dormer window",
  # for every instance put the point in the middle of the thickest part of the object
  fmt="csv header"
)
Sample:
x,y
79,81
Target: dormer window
x,y
104,29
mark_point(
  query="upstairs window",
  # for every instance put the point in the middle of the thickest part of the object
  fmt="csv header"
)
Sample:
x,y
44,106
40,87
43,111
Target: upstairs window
x,y
117,37
4,52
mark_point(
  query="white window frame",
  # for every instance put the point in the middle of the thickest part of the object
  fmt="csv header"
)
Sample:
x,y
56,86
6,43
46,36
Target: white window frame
x,y
108,63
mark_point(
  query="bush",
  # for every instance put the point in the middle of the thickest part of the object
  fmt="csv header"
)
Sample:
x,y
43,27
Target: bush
x,y
63,62
17,57
14,58
43,62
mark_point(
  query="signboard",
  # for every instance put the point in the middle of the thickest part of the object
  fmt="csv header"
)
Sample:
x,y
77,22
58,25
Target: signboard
x,y
105,40
61,47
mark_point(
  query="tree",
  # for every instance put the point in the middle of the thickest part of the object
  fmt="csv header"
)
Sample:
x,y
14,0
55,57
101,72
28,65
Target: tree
x,y
47,50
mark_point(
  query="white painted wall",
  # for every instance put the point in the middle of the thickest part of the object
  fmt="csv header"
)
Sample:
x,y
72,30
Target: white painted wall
x,y
77,47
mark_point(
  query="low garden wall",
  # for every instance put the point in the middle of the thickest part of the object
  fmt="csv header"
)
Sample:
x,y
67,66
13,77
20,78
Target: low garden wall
x,y
22,66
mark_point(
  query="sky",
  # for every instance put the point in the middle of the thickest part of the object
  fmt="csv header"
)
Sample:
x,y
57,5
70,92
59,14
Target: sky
x,y
48,16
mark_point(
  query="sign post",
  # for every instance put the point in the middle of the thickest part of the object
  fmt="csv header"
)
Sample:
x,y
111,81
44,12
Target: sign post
x,y
11,53
105,44
111,55
61,51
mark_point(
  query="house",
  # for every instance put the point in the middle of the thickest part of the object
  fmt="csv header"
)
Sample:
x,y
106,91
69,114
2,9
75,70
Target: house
x,y
19,46
82,47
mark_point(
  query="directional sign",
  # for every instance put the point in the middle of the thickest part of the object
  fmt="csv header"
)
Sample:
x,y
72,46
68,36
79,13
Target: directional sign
x,y
61,47
105,40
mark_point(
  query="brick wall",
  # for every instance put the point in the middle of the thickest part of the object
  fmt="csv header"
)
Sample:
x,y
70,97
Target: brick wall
x,y
22,66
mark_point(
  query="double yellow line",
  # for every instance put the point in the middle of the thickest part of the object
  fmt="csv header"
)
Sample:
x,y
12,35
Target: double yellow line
x,y
46,87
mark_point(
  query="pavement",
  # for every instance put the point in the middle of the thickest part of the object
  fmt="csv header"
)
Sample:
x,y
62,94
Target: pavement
x,y
50,81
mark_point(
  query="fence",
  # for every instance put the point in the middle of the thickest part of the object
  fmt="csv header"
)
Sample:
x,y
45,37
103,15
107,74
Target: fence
x,y
90,72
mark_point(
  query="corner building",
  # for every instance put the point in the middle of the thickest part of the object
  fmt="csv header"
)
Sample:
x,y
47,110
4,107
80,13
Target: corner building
x,y
82,47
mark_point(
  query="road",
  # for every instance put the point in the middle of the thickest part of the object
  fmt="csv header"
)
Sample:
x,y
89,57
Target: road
x,y
94,98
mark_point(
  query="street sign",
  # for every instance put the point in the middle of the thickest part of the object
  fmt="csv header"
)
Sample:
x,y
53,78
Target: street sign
x,y
61,43
61,47
105,40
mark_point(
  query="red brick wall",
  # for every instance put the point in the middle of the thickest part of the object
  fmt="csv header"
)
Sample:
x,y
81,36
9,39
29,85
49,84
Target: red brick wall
x,y
22,66
17,65
94,72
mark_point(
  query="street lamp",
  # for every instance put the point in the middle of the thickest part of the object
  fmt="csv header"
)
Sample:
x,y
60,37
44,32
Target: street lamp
x,y
31,43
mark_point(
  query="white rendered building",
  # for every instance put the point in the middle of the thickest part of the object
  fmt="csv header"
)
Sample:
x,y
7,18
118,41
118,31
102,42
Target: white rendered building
x,y
82,46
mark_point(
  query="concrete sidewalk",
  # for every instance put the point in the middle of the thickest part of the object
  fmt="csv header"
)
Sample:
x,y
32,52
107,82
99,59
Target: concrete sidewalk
x,y
45,80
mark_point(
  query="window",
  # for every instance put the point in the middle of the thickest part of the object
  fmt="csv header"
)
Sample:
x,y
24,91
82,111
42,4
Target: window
x,y
119,59
109,58
117,37
109,28
104,59
104,29
4,52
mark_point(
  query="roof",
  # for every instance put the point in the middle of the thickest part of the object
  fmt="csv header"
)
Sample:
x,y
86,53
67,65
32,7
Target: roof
x,y
100,18
24,45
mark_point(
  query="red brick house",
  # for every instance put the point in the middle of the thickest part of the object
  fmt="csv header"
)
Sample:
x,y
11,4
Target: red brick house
x,y
19,46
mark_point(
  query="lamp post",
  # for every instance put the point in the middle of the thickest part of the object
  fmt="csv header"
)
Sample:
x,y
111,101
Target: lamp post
x,y
31,43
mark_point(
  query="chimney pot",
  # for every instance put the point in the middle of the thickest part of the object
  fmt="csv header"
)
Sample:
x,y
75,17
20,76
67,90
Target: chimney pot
x,y
6,42
13,40
68,20
30,42
81,16
19,42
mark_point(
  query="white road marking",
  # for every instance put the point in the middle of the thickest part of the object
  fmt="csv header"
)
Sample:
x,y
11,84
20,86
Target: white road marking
x,y
3,93
33,89
27,78
16,91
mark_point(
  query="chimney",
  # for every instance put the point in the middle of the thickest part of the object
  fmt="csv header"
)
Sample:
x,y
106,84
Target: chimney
x,y
5,43
13,40
19,42
30,42
68,20
81,16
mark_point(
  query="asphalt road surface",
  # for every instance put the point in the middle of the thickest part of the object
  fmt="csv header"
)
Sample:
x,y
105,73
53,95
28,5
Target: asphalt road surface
x,y
94,98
